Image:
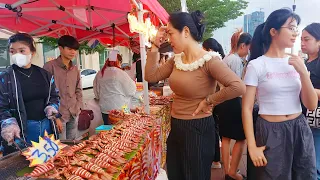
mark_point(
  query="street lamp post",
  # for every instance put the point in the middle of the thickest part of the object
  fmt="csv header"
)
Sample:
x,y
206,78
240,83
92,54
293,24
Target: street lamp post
x,y
294,6
183,5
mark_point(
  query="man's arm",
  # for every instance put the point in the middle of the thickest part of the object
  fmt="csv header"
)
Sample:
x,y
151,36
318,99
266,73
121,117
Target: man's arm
x,y
79,91
48,67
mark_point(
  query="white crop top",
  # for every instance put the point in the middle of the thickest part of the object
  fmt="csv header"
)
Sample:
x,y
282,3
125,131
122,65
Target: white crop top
x,y
278,85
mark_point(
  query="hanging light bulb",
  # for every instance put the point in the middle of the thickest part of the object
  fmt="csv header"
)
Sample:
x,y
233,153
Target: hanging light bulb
x,y
133,22
146,28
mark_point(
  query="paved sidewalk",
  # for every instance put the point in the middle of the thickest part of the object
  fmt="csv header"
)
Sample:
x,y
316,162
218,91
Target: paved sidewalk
x,y
218,174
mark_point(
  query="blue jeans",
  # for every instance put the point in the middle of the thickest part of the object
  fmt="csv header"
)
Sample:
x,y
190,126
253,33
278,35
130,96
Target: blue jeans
x,y
316,137
37,128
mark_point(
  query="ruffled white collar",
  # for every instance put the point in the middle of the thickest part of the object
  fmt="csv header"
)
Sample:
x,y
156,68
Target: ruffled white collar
x,y
195,65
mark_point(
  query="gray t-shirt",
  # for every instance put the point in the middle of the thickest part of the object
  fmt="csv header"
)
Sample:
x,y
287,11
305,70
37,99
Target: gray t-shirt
x,y
234,62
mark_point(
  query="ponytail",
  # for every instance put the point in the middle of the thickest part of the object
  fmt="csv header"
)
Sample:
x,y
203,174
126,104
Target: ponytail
x,y
239,38
234,41
257,47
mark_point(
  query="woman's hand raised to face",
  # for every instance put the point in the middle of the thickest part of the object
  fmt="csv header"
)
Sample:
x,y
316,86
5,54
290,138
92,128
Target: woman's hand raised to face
x,y
161,36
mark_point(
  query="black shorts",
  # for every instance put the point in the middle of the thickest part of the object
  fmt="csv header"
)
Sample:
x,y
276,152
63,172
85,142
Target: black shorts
x,y
229,118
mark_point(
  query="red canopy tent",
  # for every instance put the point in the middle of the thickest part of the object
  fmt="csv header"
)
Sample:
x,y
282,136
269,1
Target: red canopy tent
x,y
84,19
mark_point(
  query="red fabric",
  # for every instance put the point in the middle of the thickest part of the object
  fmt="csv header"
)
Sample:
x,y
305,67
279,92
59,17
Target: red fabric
x,y
112,11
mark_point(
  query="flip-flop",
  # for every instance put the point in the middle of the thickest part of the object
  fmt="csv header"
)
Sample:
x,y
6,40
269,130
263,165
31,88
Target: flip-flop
x,y
243,177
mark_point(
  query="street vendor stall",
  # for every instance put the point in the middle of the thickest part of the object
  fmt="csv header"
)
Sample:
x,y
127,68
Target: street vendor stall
x,y
105,20
131,149
134,147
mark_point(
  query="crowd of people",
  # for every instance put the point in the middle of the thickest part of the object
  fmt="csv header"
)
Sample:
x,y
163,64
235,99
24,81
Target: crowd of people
x,y
257,95
265,96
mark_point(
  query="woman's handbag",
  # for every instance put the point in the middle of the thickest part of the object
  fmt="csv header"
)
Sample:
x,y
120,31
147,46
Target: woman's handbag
x,y
313,118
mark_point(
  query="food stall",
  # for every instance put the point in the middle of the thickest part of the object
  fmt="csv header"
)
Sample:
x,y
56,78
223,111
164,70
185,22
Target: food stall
x,y
132,148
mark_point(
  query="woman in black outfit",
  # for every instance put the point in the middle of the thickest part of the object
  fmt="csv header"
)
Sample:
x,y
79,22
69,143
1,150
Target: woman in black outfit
x,y
29,102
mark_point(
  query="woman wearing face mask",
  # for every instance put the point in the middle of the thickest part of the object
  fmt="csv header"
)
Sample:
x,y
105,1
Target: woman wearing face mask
x,y
193,74
29,101
310,44
283,146
229,112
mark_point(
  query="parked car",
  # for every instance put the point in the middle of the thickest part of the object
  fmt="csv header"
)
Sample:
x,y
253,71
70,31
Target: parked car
x,y
87,78
3,68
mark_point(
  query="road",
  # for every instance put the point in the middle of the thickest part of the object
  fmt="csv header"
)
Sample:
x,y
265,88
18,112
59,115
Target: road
x,y
87,95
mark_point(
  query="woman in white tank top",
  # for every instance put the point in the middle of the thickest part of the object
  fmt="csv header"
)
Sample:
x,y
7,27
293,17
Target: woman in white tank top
x,y
283,144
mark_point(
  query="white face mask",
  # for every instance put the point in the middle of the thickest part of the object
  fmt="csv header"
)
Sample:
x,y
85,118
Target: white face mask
x,y
21,59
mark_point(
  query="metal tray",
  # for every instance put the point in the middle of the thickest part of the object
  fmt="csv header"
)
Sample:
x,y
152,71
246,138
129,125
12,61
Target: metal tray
x,y
15,162
11,164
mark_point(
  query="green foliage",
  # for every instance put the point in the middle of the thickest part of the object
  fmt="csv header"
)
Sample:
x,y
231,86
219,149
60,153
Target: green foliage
x,y
84,48
217,12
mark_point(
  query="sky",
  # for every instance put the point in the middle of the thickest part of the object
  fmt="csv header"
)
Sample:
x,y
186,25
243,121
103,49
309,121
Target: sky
x,y
307,9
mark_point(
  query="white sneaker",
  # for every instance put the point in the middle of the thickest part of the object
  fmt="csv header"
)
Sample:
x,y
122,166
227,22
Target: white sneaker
x,y
216,166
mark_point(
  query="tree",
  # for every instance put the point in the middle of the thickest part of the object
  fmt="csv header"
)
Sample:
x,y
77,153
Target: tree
x,y
53,43
217,12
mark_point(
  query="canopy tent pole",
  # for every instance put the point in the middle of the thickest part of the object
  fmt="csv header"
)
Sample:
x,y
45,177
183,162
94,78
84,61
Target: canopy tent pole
x,y
184,6
47,26
294,6
143,61
78,61
6,32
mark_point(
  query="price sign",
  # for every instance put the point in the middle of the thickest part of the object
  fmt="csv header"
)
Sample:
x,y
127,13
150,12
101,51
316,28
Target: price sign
x,y
126,109
43,151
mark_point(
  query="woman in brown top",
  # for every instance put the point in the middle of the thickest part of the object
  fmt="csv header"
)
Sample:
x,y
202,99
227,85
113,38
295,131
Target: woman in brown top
x,y
193,75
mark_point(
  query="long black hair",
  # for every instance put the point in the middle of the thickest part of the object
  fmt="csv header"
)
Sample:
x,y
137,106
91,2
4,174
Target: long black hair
x,y
314,30
194,21
256,50
214,45
261,40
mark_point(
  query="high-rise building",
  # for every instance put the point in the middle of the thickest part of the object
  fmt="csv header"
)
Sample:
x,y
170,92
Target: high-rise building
x,y
251,21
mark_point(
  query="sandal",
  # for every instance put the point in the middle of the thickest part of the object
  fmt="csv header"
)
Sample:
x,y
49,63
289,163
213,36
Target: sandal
x,y
227,177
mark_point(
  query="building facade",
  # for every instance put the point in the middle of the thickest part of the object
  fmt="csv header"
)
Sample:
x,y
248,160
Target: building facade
x,y
251,21
46,53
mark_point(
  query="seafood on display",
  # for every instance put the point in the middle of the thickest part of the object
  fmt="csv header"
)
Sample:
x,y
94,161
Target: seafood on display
x,y
100,157
41,169
79,171
109,159
160,100
78,147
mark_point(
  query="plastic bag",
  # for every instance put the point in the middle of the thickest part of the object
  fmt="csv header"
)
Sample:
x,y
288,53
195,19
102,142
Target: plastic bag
x,y
10,129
